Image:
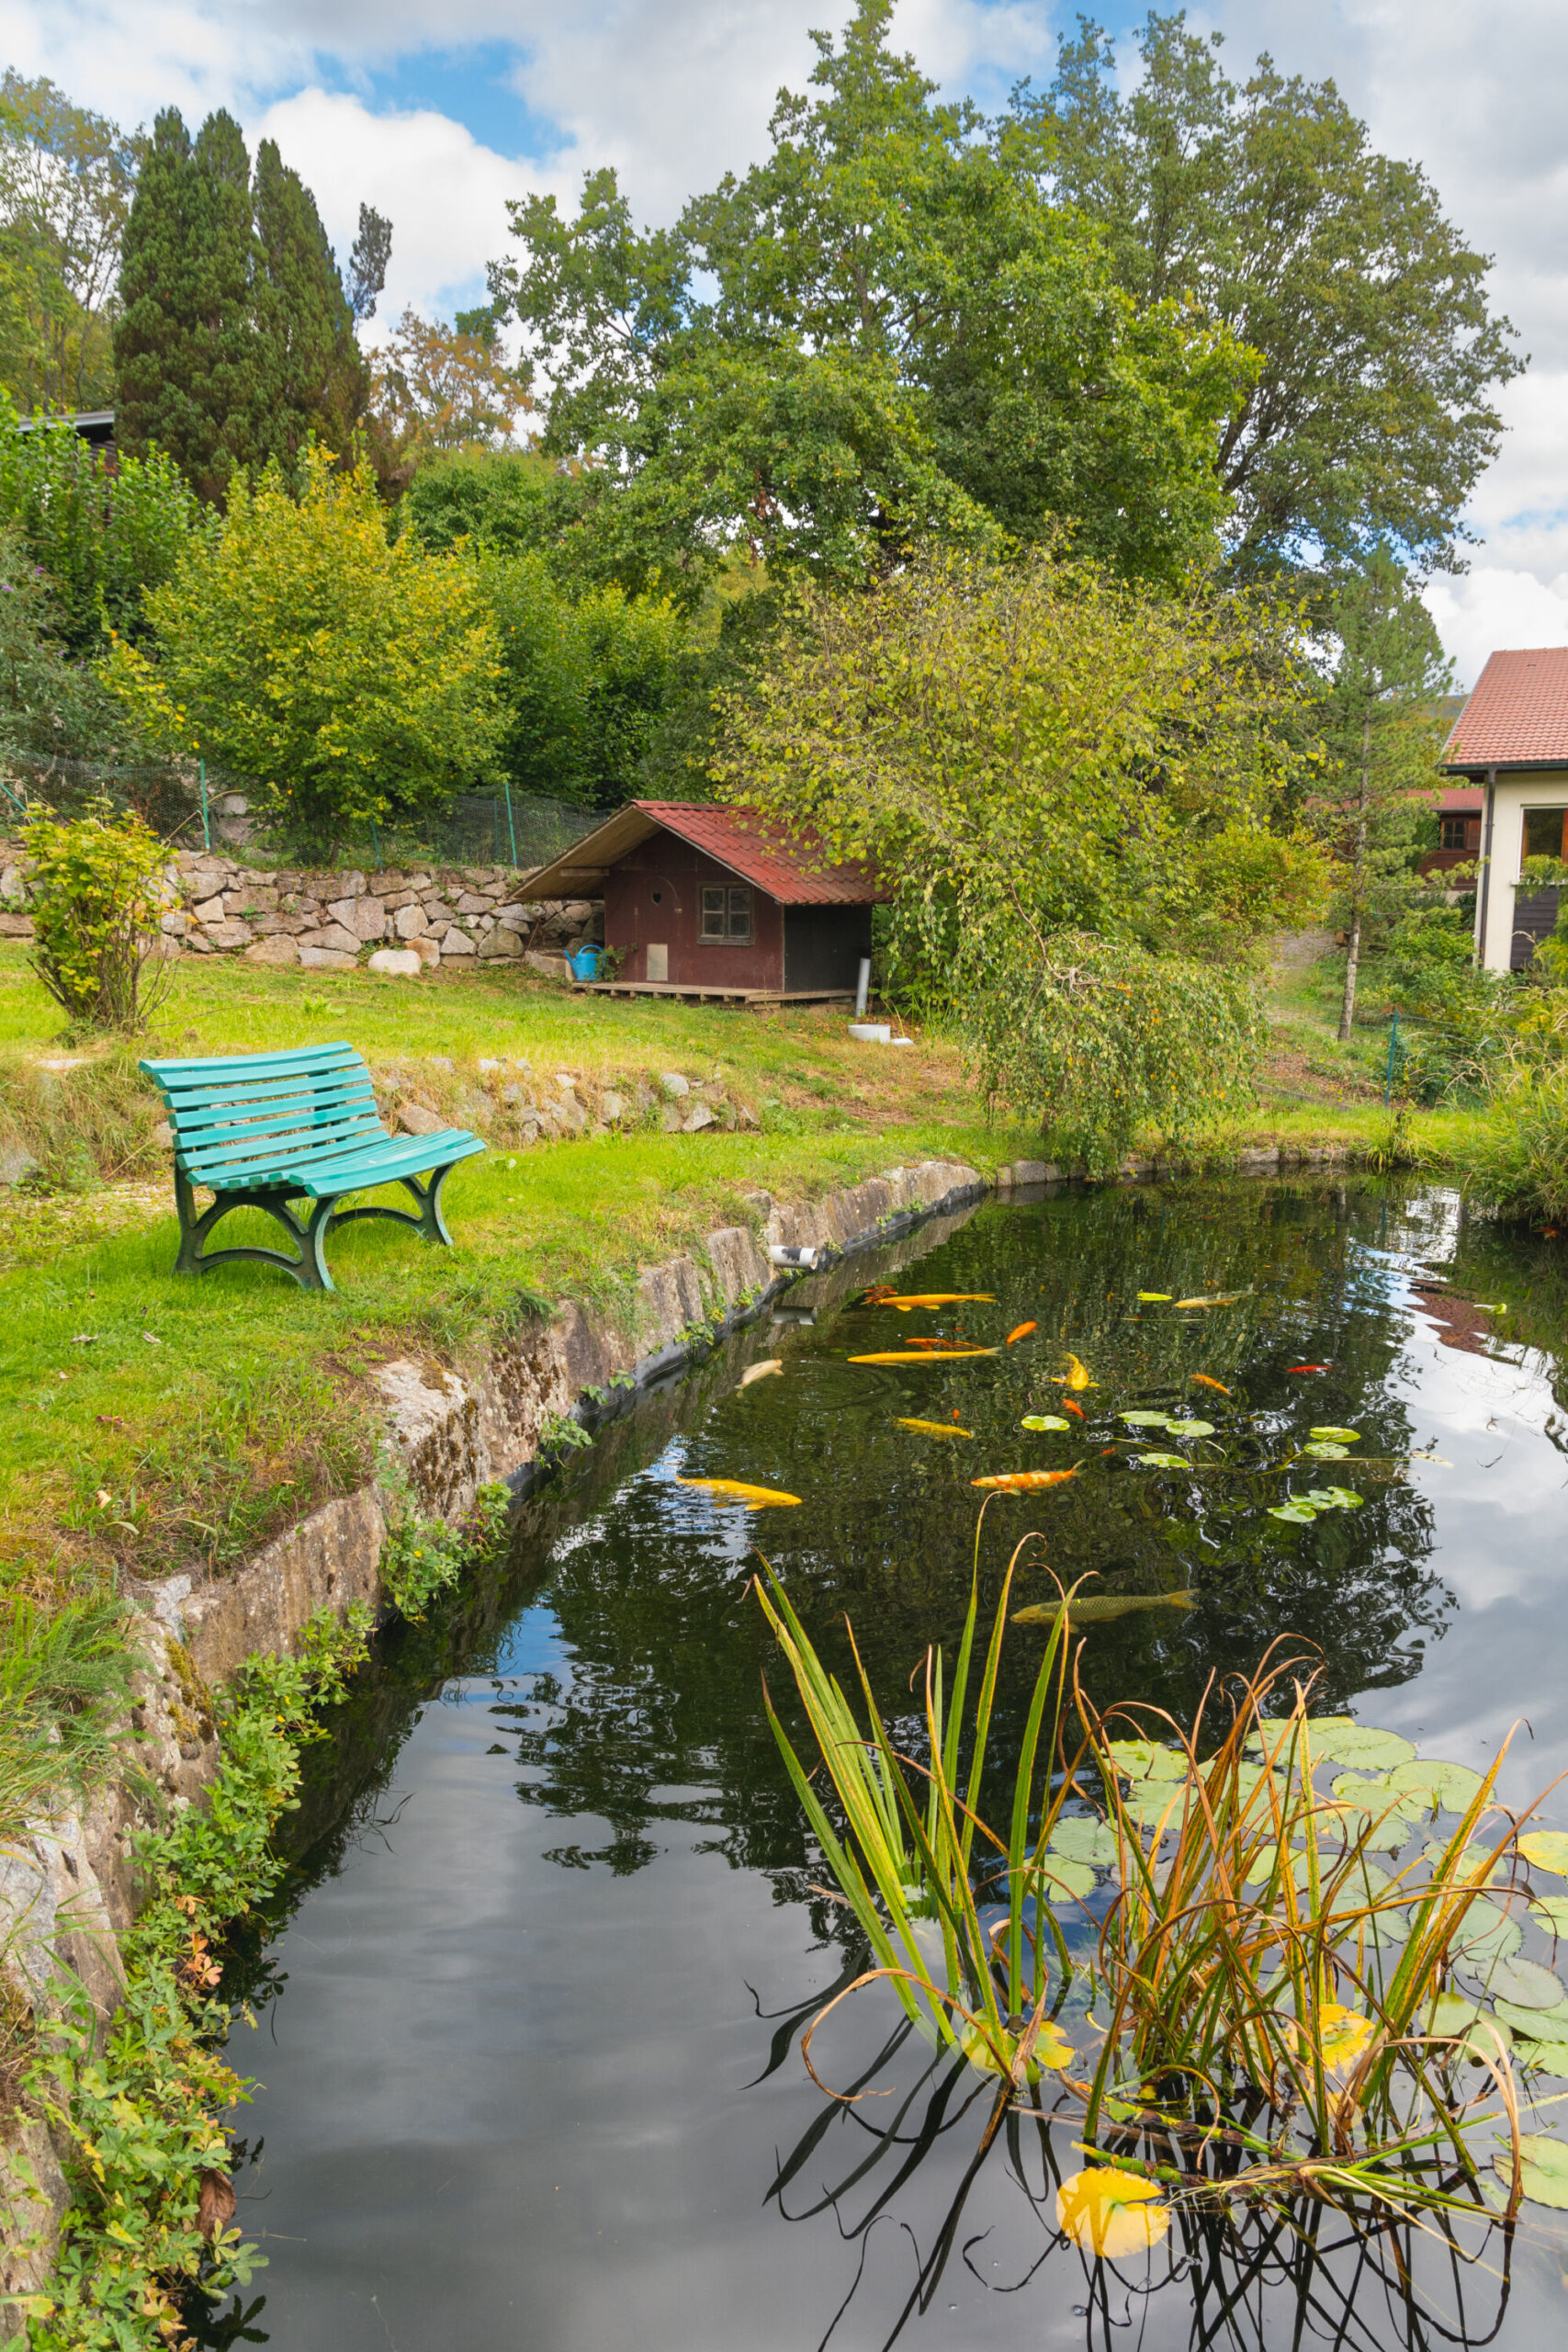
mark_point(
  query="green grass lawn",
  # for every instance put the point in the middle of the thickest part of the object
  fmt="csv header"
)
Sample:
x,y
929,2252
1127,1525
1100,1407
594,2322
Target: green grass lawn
x,y
148,1423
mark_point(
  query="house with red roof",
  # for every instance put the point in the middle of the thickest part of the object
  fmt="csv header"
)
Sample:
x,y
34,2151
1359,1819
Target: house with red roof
x,y
1510,745
707,901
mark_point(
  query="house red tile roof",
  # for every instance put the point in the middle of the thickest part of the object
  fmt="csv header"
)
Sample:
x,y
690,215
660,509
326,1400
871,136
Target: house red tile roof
x,y
796,871
1518,715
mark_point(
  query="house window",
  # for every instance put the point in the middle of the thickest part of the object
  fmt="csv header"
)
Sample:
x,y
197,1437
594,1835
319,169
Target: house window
x,y
1545,832
1454,831
726,913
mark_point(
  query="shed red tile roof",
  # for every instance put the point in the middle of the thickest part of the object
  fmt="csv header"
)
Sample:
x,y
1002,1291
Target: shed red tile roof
x,y
1518,715
795,870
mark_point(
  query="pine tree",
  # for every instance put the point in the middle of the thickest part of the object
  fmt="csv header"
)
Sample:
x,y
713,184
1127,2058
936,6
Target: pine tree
x,y
1378,727
183,345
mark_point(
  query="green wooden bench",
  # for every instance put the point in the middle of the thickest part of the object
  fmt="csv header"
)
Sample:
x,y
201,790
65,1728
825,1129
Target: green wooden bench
x,y
261,1130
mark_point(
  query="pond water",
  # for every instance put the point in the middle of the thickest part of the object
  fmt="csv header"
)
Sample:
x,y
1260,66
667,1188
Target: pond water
x,y
528,2034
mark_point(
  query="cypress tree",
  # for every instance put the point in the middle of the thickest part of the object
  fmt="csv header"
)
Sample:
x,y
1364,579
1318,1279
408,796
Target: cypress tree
x,y
312,377
184,350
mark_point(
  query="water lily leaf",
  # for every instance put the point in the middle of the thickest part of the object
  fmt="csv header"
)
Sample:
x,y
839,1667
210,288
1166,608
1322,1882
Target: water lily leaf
x,y
1551,1912
1190,1428
1328,1431
1163,1461
1147,1759
1363,1745
1146,1421
1487,1934
1333,1497
1457,2019
1263,1867
1326,1452
1524,1984
1551,2057
1544,2168
1547,1850
1043,1421
1295,1514
1535,2025
1424,1787
1084,1840
1063,1876
1343,2036
1110,2213
1051,2051
1474,1861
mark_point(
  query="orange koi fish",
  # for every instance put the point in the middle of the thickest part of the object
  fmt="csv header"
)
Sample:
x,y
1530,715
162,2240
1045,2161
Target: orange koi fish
x,y
1025,1482
1022,1332
922,1355
938,1298
1205,1381
1309,1367
1068,1407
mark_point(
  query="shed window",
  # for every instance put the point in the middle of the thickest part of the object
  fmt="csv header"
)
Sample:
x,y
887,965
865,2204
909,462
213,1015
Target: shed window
x,y
1454,831
1545,832
726,913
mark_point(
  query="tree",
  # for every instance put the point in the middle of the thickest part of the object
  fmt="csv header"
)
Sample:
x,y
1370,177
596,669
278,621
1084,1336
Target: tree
x,y
884,333
235,343
367,260
1076,790
1264,209
440,388
50,707
66,177
100,536
1377,718
352,677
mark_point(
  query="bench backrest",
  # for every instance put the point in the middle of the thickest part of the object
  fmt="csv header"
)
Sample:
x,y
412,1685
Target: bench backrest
x,y
229,1117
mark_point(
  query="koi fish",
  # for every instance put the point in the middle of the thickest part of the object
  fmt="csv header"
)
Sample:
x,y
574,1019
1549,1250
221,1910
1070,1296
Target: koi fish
x,y
1025,1482
734,1490
1068,1407
922,1355
1154,1297
1224,1298
1101,1608
1022,1332
1076,1377
938,1298
764,1371
915,1340
1309,1367
931,1429
1205,1381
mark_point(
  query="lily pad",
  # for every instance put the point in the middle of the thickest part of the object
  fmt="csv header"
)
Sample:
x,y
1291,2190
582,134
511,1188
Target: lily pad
x,y
1043,1421
1546,1849
1325,1453
1487,1934
1431,1787
1474,1861
1162,1461
1344,1741
1082,1840
1146,1421
1263,1867
1295,1514
1062,1876
1460,2020
1551,2057
1334,1497
1146,1759
1328,1434
1551,1912
1190,1428
1148,1802
1524,1984
1544,2168
1535,2025
1110,2213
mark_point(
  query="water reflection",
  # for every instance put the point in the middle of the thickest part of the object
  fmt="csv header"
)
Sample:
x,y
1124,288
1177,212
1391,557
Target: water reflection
x,y
517,2084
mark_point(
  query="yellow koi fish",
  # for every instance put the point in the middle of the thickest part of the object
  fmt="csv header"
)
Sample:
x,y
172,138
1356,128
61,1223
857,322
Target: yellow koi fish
x,y
931,1429
941,1298
922,1355
1076,1377
734,1490
1025,1482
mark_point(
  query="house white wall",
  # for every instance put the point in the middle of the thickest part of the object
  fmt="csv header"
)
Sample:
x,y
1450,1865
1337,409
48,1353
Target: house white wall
x,y
1513,793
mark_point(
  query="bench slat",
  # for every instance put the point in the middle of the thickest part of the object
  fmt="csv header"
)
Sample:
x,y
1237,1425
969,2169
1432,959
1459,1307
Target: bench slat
x,y
271,1118
230,1067
302,1134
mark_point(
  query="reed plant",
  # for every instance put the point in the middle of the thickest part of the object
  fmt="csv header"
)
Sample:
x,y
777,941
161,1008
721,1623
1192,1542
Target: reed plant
x,y
1258,2008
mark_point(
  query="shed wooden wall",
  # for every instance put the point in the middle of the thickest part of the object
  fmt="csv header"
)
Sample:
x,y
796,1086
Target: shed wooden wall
x,y
655,893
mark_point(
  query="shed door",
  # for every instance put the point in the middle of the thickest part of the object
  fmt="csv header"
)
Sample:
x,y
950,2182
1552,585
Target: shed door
x,y
823,946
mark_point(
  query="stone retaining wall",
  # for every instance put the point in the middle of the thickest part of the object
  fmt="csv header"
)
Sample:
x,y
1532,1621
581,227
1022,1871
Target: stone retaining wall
x,y
328,921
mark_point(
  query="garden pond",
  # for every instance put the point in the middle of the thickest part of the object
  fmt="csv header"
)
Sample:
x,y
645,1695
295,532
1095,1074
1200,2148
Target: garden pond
x,y
528,2029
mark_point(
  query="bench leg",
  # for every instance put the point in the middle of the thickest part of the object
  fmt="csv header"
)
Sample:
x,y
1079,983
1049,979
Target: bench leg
x,y
308,1269
429,1222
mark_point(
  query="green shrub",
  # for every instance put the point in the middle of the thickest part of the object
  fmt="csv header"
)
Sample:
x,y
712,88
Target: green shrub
x,y
96,892
426,1557
1515,1159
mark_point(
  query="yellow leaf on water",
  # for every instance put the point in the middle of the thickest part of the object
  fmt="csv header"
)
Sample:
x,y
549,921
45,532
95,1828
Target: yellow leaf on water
x,y
1108,2211
735,1490
1051,2052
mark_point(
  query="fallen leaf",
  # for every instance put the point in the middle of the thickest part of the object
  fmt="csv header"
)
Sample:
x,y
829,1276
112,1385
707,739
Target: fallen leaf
x,y
1223,1298
1025,1482
104,1499
84,1340
764,1371
1110,2213
1022,1332
151,1339
215,2209
735,1490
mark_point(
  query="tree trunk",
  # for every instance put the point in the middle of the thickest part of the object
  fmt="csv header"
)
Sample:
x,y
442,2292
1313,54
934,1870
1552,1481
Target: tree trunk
x,y
1353,952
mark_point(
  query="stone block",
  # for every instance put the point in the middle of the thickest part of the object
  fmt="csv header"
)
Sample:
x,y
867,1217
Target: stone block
x,y
471,903
368,920
549,968
326,959
398,963
408,922
16,926
698,1117
612,1108
15,1165
209,911
415,1120
427,951
279,949
350,886
674,1085
229,933
457,943
332,935
501,944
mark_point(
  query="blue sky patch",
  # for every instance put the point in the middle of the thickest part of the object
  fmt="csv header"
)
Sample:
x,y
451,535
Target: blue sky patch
x,y
476,86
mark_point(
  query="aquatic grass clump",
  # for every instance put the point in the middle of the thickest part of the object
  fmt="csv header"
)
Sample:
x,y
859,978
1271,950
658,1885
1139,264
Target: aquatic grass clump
x,y
1260,2010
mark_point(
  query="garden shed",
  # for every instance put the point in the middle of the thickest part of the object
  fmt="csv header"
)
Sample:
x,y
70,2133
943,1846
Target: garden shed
x,y
1511,741
707,901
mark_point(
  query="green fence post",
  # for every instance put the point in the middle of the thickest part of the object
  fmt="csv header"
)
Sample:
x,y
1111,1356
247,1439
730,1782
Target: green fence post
x,y
511,827
1392,1049
376,844
206,827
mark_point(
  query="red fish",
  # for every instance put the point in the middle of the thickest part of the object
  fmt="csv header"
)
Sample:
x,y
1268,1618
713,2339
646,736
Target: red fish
x,y
1022,1332
1068,1407
1309,1367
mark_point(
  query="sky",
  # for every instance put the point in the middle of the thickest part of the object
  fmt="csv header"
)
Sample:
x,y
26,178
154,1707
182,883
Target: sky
x,y
438,114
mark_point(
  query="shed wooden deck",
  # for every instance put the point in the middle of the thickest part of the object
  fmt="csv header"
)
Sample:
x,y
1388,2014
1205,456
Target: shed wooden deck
x,y
696,994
